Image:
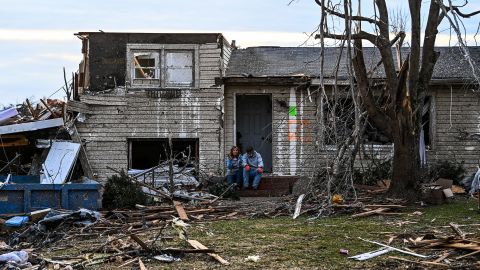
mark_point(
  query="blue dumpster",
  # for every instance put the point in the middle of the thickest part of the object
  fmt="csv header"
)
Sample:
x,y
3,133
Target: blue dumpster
x,y
26,194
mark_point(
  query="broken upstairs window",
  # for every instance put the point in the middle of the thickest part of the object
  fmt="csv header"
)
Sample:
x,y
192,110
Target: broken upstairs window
x,y
146,68
162,66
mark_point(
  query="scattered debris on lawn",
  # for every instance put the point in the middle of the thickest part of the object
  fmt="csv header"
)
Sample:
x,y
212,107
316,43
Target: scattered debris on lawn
x,y
126,235
252,258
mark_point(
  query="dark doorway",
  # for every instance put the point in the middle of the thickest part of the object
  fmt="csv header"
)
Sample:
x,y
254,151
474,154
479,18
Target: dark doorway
x,y
148,153
254,125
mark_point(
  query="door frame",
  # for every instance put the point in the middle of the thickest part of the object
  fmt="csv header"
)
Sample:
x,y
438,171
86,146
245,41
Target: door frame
x,y
235,116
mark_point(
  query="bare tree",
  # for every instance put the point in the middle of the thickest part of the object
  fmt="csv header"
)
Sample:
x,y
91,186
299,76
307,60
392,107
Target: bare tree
x,y
398,114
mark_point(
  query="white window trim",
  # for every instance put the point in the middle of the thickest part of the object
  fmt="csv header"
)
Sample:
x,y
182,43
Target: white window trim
x,y
161,48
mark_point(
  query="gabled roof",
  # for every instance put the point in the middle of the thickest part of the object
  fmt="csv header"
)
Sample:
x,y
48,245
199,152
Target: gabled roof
x,y
291,61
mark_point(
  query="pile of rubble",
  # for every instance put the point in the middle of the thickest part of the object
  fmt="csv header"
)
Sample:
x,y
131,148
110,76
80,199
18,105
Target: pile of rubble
x,y
26,113
126,236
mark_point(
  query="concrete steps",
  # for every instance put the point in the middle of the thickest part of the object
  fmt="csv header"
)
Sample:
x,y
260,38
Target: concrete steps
x,y
271,186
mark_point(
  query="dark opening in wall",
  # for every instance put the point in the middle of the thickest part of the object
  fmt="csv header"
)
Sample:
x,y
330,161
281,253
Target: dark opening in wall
x,y
426,120
148,153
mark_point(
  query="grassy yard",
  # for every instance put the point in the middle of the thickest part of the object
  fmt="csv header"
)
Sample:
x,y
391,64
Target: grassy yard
x,y
283,243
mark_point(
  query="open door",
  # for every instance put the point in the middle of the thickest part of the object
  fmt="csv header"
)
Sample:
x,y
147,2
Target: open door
x,y
254,125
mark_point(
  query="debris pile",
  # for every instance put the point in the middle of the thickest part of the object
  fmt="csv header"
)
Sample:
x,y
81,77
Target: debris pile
x,y
159,175
119,236
26,112
446,251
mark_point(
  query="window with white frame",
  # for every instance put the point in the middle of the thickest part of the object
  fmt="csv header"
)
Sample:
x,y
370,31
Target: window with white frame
x,y
162,66
146,68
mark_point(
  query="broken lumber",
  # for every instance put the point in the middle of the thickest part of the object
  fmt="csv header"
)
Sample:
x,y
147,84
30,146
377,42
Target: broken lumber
x,y
39,214
186,250
371,212
197,245
139,241
457,230
419,262
441,258
468,255
141,265
181,212
82,155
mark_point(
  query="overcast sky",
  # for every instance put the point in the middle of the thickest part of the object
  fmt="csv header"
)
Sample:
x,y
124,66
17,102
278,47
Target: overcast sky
x,y
37,41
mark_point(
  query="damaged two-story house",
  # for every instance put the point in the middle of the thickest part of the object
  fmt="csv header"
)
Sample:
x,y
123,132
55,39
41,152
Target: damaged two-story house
x,y
135,90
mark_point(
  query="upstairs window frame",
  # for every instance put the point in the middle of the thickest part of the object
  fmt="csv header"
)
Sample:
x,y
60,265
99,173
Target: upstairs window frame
x,y
161,68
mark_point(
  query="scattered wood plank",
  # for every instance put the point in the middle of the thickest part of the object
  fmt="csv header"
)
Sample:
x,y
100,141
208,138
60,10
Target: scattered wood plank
x,y
139,241
232,214
39,214
468,255
420,262
359,205
48,108
181,212
198,245
441,258
82,155
457,230
371,212
128,262
185,250
30,108
141,265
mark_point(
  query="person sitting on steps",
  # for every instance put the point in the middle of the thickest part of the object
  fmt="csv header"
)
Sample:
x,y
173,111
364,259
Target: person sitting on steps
x,y
252,164
234,172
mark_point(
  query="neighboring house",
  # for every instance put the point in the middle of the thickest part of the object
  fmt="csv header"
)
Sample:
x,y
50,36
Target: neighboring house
x,y
136,90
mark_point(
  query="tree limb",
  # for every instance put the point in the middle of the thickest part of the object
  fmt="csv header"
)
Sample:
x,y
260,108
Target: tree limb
x,y
379,119
385,50
360,35
414,59
343,16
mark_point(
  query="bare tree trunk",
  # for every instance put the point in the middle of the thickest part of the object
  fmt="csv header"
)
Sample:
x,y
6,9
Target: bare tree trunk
x,y
406,164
